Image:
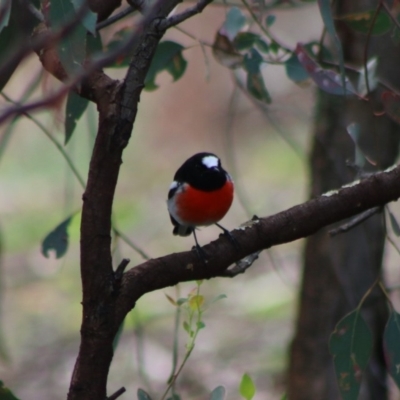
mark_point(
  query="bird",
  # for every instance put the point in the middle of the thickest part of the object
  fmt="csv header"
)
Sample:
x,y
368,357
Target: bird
x,y
200,194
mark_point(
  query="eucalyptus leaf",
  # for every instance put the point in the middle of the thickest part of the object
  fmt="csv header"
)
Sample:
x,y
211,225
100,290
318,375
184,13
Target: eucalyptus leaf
x,y
57,239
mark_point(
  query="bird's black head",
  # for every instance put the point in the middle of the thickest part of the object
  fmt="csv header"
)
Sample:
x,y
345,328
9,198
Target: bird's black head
x,y
202,171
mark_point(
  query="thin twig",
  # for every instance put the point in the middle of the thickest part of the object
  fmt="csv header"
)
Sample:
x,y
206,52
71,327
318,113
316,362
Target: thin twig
x,y
77,79
116,394
241,266
263,29
357,220
25,48
115,18
189,12
394,20
365,60
121,268
393,243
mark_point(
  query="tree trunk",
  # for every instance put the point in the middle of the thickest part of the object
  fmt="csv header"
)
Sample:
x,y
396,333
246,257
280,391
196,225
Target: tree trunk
x,y
339,270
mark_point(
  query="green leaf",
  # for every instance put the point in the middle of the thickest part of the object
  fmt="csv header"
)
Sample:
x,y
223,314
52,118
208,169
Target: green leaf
x,y
247,388
327,80
196,302
354,131
391,347
373,81
219,297
294,70
218,393
234,22
186,326
5,393
175,396
274,47
262,46
177,66
16,33
94,45
57,240
257,88
225,53
168,56
394,223
327,17
351,346
361,22
171,300
89,20
269,21
200,325
245,40
76,106
181,301
118,40
72,48
6,12
252,61
142,395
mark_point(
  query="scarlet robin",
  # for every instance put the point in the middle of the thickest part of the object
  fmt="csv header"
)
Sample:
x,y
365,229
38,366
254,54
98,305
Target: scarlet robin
x,y
200,195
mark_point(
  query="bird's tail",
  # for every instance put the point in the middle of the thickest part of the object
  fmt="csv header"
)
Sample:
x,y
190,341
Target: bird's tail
x,y
182,230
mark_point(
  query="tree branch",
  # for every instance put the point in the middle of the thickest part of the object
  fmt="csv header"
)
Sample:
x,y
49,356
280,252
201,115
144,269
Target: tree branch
x,y
189,12
297,222
117,113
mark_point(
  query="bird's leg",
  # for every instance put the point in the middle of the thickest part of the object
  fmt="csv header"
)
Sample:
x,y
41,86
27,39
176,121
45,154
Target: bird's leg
x,y
229,236
199,251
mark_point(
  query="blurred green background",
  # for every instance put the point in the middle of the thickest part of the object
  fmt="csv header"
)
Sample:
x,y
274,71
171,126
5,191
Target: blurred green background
x,y
250,330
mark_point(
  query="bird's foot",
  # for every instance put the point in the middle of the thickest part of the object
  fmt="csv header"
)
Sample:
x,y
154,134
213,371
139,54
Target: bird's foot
x,y
229,236
200,253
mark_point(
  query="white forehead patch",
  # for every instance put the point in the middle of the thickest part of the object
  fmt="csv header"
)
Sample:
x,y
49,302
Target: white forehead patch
x,y
173,185
210,161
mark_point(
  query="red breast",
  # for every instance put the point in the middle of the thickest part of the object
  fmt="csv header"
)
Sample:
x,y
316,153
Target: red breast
x,y
199,207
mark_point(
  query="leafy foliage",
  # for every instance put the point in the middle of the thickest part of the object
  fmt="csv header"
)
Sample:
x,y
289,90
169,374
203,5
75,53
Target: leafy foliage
x,y
5,16
75,107
57,239
11,31
5,393
248,52
354,131
327,80
247,388
393,222
234,22
351,346
89,18
326,14
142,395
218,393
168,57
391,346
71,48
294,70
362,22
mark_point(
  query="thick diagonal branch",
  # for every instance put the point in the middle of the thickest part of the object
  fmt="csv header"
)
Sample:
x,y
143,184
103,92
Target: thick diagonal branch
x,y
295,223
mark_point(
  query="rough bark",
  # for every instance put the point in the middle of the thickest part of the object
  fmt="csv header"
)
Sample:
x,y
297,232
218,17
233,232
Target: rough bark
x,y
338,271
117,111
